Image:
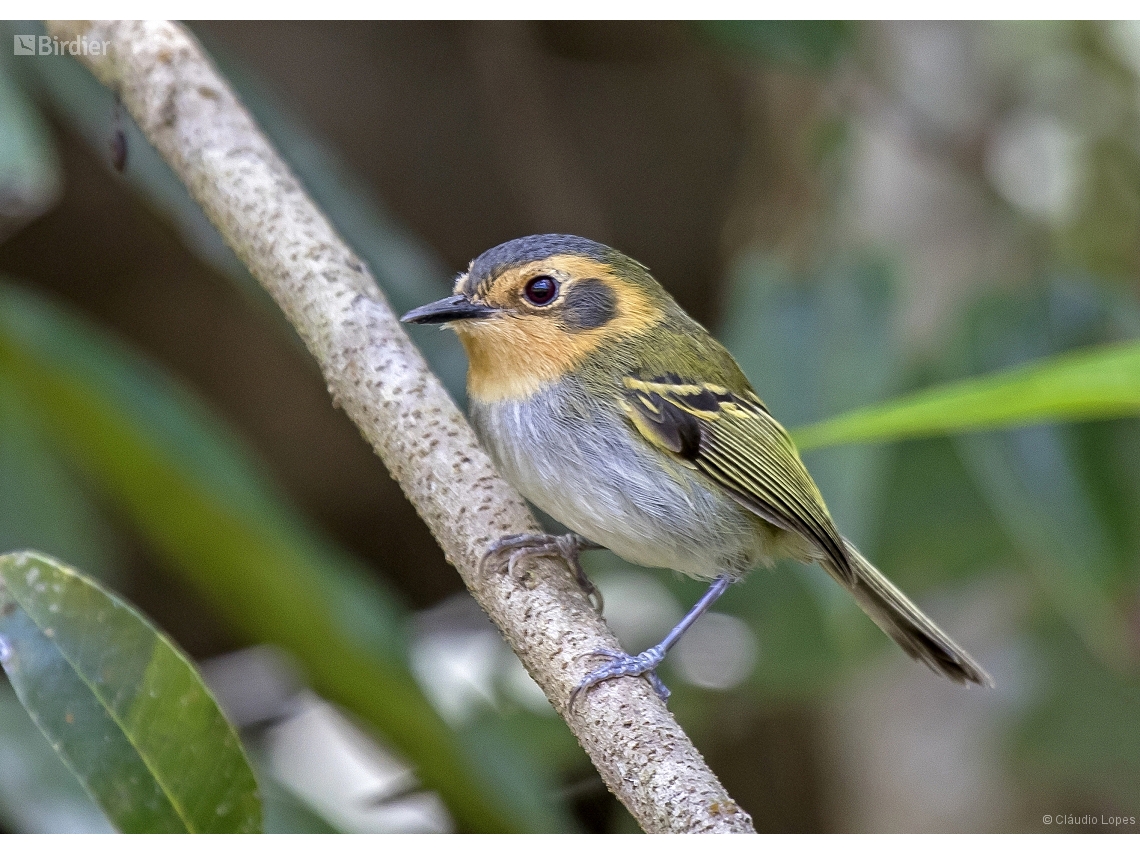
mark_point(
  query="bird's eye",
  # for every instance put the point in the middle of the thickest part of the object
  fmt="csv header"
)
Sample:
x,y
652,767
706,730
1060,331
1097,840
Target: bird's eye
x,y
541,290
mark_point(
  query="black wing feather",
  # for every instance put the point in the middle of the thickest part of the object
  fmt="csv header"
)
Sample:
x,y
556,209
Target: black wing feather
x,y
733,440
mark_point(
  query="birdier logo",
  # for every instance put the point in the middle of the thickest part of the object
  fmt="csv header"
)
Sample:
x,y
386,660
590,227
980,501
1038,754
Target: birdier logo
x,y
32,45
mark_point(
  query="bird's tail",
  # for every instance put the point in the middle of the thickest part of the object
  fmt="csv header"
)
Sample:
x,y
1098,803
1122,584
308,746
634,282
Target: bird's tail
x,y
902,620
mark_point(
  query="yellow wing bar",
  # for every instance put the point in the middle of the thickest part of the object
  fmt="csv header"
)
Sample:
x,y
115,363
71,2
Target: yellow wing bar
x,y
732,439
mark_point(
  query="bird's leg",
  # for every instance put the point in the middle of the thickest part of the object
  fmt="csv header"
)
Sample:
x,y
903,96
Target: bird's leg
x,y
645,664
565,546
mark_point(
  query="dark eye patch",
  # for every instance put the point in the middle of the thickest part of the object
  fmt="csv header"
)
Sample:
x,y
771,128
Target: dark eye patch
x,y
588,304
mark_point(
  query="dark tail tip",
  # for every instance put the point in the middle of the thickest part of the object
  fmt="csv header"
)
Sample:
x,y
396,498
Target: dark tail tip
x,y
952,662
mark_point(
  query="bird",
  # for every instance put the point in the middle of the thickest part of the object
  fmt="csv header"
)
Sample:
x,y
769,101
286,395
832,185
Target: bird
x,y
610,409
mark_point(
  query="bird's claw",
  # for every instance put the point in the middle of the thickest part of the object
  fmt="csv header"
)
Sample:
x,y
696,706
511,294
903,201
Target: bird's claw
x,y
621,664
565,546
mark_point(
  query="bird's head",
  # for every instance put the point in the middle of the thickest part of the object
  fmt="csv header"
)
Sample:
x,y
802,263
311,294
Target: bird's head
x,y
531,310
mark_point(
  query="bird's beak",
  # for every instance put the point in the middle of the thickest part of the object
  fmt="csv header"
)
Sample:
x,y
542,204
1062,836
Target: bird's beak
x,y
457,307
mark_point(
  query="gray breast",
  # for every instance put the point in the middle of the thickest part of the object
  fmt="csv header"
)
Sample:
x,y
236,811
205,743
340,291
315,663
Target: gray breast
x,y
595,474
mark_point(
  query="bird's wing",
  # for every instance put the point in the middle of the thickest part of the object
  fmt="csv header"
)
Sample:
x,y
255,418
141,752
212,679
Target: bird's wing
x,y
731,438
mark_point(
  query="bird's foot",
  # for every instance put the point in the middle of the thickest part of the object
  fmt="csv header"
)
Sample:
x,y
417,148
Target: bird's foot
x,y
565,546
621,664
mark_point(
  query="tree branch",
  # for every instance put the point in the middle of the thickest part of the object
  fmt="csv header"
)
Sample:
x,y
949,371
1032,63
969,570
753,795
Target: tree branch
x,y
376,375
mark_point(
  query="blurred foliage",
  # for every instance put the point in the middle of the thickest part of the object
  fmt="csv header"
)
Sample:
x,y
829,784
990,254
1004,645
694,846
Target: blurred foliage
x,y
407,271
811,44
1096,384
1080,733
943,252
197,496
814,344
1100,236
1059,490
30,179
121,704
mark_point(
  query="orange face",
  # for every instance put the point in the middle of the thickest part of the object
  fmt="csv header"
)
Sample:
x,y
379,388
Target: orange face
x,y
534,322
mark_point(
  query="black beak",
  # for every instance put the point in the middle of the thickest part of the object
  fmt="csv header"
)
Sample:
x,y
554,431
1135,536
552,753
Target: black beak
x,y
454,308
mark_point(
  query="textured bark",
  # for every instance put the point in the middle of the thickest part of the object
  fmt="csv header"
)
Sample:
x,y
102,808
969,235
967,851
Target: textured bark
x,y
374,372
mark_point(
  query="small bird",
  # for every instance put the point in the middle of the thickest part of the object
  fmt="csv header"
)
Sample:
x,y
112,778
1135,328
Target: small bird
x,y
621,417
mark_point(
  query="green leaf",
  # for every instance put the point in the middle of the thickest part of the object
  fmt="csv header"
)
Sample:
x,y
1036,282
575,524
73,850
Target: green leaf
x,y
121,704
38,793
1094,383
196,494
